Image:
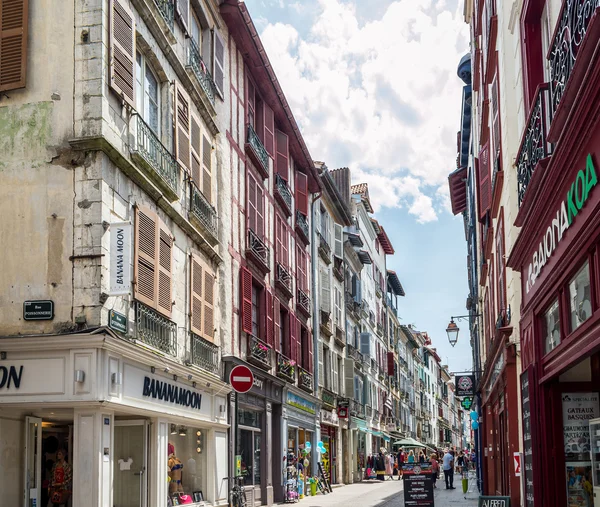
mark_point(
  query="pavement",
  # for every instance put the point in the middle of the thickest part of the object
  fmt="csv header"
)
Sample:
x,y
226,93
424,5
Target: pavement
x,y
388,494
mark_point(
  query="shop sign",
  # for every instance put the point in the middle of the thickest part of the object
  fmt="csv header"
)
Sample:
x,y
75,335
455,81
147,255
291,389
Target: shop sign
x,y
494,501
38,310
117,322
527,460
329,417
517,463
10,376
120,259
467,402
301,404
179,395
24,378
465,385
578,410
574,201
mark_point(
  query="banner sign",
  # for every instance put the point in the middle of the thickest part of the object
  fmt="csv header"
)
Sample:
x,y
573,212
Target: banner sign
x,y
120,259
418,485
465,385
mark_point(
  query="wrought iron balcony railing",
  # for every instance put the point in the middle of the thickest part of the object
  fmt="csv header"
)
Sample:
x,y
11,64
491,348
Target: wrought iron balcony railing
x,y
302,225
260,152
201,71
286,368
203,213
355,354
259,353
305,380
257,248
368,411
204,354
155,330
357,408
303,301
324,249
167,10
283,192
283,278
162,168
534,145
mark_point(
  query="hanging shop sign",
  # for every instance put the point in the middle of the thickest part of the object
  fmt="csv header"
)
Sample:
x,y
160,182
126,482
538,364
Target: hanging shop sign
x,y
467,402
38,310
465,385
494,501
342,408
117,322
576,197
578,410
120,259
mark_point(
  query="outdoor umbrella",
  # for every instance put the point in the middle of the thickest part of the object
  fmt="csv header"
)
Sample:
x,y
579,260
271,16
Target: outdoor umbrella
x,y
409,442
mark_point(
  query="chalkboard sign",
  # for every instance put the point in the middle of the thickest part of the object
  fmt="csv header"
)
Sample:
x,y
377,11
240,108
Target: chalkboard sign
x,y
527,465
418,484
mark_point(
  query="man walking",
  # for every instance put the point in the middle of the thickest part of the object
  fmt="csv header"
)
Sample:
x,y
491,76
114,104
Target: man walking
x,y
448,466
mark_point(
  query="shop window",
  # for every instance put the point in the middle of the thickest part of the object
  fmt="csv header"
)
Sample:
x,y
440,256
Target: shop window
x,y
580,300
249,441
551,327
186,462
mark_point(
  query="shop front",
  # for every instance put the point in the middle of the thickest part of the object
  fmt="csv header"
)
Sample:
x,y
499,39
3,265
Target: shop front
x,y
360,435
257,428
330,436
108,424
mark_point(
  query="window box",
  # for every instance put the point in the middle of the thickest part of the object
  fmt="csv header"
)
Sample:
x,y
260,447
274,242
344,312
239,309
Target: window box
x,y
286,368
303,302
283,280
204,354
302,227
324,249
259,353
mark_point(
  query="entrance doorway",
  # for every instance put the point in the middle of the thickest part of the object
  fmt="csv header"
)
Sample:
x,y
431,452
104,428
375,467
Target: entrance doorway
x,y
130,464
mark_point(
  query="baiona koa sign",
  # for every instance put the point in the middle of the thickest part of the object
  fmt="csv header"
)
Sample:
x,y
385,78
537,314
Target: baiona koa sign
x,y
178,395
10,377
494,501
575,199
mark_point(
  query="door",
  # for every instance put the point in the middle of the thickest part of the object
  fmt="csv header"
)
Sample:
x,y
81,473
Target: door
x,y
131,454
33,462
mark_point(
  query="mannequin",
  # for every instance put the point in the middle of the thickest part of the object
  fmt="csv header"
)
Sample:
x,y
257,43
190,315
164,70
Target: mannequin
x,y
59,489
175,471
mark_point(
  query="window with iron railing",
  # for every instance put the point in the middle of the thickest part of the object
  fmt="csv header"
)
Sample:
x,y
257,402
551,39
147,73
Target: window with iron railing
x,y
155,330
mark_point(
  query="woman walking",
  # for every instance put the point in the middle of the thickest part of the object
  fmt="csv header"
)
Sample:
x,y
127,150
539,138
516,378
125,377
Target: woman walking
x,y
435,469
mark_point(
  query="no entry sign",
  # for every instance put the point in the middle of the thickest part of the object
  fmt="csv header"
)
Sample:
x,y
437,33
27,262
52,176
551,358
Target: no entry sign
x,y
241,379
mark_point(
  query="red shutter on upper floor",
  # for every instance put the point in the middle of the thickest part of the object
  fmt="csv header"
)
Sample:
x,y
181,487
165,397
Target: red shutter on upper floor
x,y
282,156
246,291
282,241
302,193
310,352
277,323
269,134
260,210
484,177
251,102
293,339
390,363
301,268
252,203
269,324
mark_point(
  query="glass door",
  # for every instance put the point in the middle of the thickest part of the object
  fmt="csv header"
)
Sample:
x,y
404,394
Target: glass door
x,y
131,454
33,462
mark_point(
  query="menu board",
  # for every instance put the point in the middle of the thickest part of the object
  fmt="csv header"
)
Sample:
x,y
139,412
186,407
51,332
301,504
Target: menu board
x,y
418,484
527,466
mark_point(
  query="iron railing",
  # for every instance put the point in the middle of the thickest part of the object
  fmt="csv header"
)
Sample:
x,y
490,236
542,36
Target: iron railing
x,y
305,380
155,330
368,410
324,249
569,35
286,368
201,71
534,145
302,224
167,10
258,248
259,148
355,354
203,211
259,352
284,191
357,408
204,354
283,277
156,156
303,300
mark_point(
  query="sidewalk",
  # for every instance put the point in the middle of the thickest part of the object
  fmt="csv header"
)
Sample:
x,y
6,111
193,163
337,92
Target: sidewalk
x,y
388,494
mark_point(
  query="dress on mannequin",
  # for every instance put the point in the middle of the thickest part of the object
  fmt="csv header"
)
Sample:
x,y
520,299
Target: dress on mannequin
x,y
59,489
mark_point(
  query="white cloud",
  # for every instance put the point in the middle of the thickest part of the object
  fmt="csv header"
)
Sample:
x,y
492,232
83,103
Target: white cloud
x,y
382,97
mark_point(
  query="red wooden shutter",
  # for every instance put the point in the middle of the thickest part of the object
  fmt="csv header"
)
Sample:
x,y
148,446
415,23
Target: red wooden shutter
x,y
251,101
165,259
252,203
495,119
302,193
285,244
196,295
14,17
485,187
301,268
122,49
390,363
260,210
501,263
182,126
208,311
269,135
294,332
491,283
282,156
269,323
310,352
195,146
145,256
246,290
277,323
281,246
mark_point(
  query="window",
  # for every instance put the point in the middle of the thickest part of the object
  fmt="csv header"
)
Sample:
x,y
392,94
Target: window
x,y
551,327
327,367
249,445
255,310
282,238
147,93
255,209
580,301
283,331
196,30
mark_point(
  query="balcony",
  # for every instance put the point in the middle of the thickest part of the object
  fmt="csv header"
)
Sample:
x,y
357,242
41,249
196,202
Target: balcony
x,y
259,353
286,368
159,164
379,329
203,215
167,10
258,251
339,337
355,354
326,324
283,280
303,302
305,380
534,143
378,291
155,330
328,397
201,71
357,409
283,194
302,226
204,354
257,151
324,249
338,269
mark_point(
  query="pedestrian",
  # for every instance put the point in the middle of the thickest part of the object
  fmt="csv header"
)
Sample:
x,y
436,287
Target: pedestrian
x,y
448,466
411,457
401,458
435,468
380,466
421,457
460,462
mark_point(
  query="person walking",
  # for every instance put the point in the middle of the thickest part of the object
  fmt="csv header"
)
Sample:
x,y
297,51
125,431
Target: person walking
x,y
435,469
411,457
421,457
448,467
380,467
401,458
460,462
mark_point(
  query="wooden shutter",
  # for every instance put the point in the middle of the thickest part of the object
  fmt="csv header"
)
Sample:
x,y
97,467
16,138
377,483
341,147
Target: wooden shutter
x,y
207,168
293,338
122,49
277,323
252,203
183,11
310,366
278,246
321,372
251,101
196,151
165,260
196,295
495,119
301,269
302,193
349,377
501,264
282,245
338,249
246,291
485,186
390,363
325,291
269,322
14,17
208,311
182,126
269,126
336,378
145,256
219,63
260,210
282,156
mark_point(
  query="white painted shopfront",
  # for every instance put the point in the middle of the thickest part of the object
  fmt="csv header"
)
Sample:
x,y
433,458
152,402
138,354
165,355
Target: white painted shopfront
x,y
121,413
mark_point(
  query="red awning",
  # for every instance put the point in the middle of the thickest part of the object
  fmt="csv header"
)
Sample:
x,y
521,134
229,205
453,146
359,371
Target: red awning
x,y
458,190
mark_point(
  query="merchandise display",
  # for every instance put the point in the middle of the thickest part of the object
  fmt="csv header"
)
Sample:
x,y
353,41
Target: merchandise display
x,y
186,465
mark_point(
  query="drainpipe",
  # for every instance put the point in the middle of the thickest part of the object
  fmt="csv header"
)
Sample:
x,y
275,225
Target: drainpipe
x,y
315,320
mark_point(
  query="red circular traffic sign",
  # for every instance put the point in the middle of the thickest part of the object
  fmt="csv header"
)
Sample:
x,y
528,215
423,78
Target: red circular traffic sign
x,y
241,379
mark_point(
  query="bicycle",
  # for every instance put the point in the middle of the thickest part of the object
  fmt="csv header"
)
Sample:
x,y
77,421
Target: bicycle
x,y
237,493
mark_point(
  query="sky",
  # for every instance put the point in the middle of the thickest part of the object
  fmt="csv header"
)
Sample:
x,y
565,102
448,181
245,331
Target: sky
x,y
373,86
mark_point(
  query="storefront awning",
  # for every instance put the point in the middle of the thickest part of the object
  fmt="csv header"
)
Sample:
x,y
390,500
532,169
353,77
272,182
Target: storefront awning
x,y
376,433
387,438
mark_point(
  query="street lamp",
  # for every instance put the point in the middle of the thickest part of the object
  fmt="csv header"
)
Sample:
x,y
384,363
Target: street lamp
x,y
452,329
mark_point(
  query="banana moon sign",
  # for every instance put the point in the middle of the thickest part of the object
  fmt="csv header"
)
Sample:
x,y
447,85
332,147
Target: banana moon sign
x,y
465,385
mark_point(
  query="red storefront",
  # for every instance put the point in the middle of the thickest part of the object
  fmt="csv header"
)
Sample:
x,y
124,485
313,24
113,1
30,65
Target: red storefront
x,y
558,255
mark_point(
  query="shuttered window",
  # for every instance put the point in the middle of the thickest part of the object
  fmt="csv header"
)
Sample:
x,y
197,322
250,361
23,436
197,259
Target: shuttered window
x,y
14,16
495,120
501,263
182,128
301,269
338,249
302,193
278,326
294,337
269,322
153,261
484,179
310,366
256,200
269,126
282,156
207,169
219,63
321,359
246,300
122,50
282,241
337,315
325,291
202,298
196,151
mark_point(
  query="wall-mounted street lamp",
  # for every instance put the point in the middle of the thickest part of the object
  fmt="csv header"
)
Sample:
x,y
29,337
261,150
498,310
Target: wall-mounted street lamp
x,y
452,329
